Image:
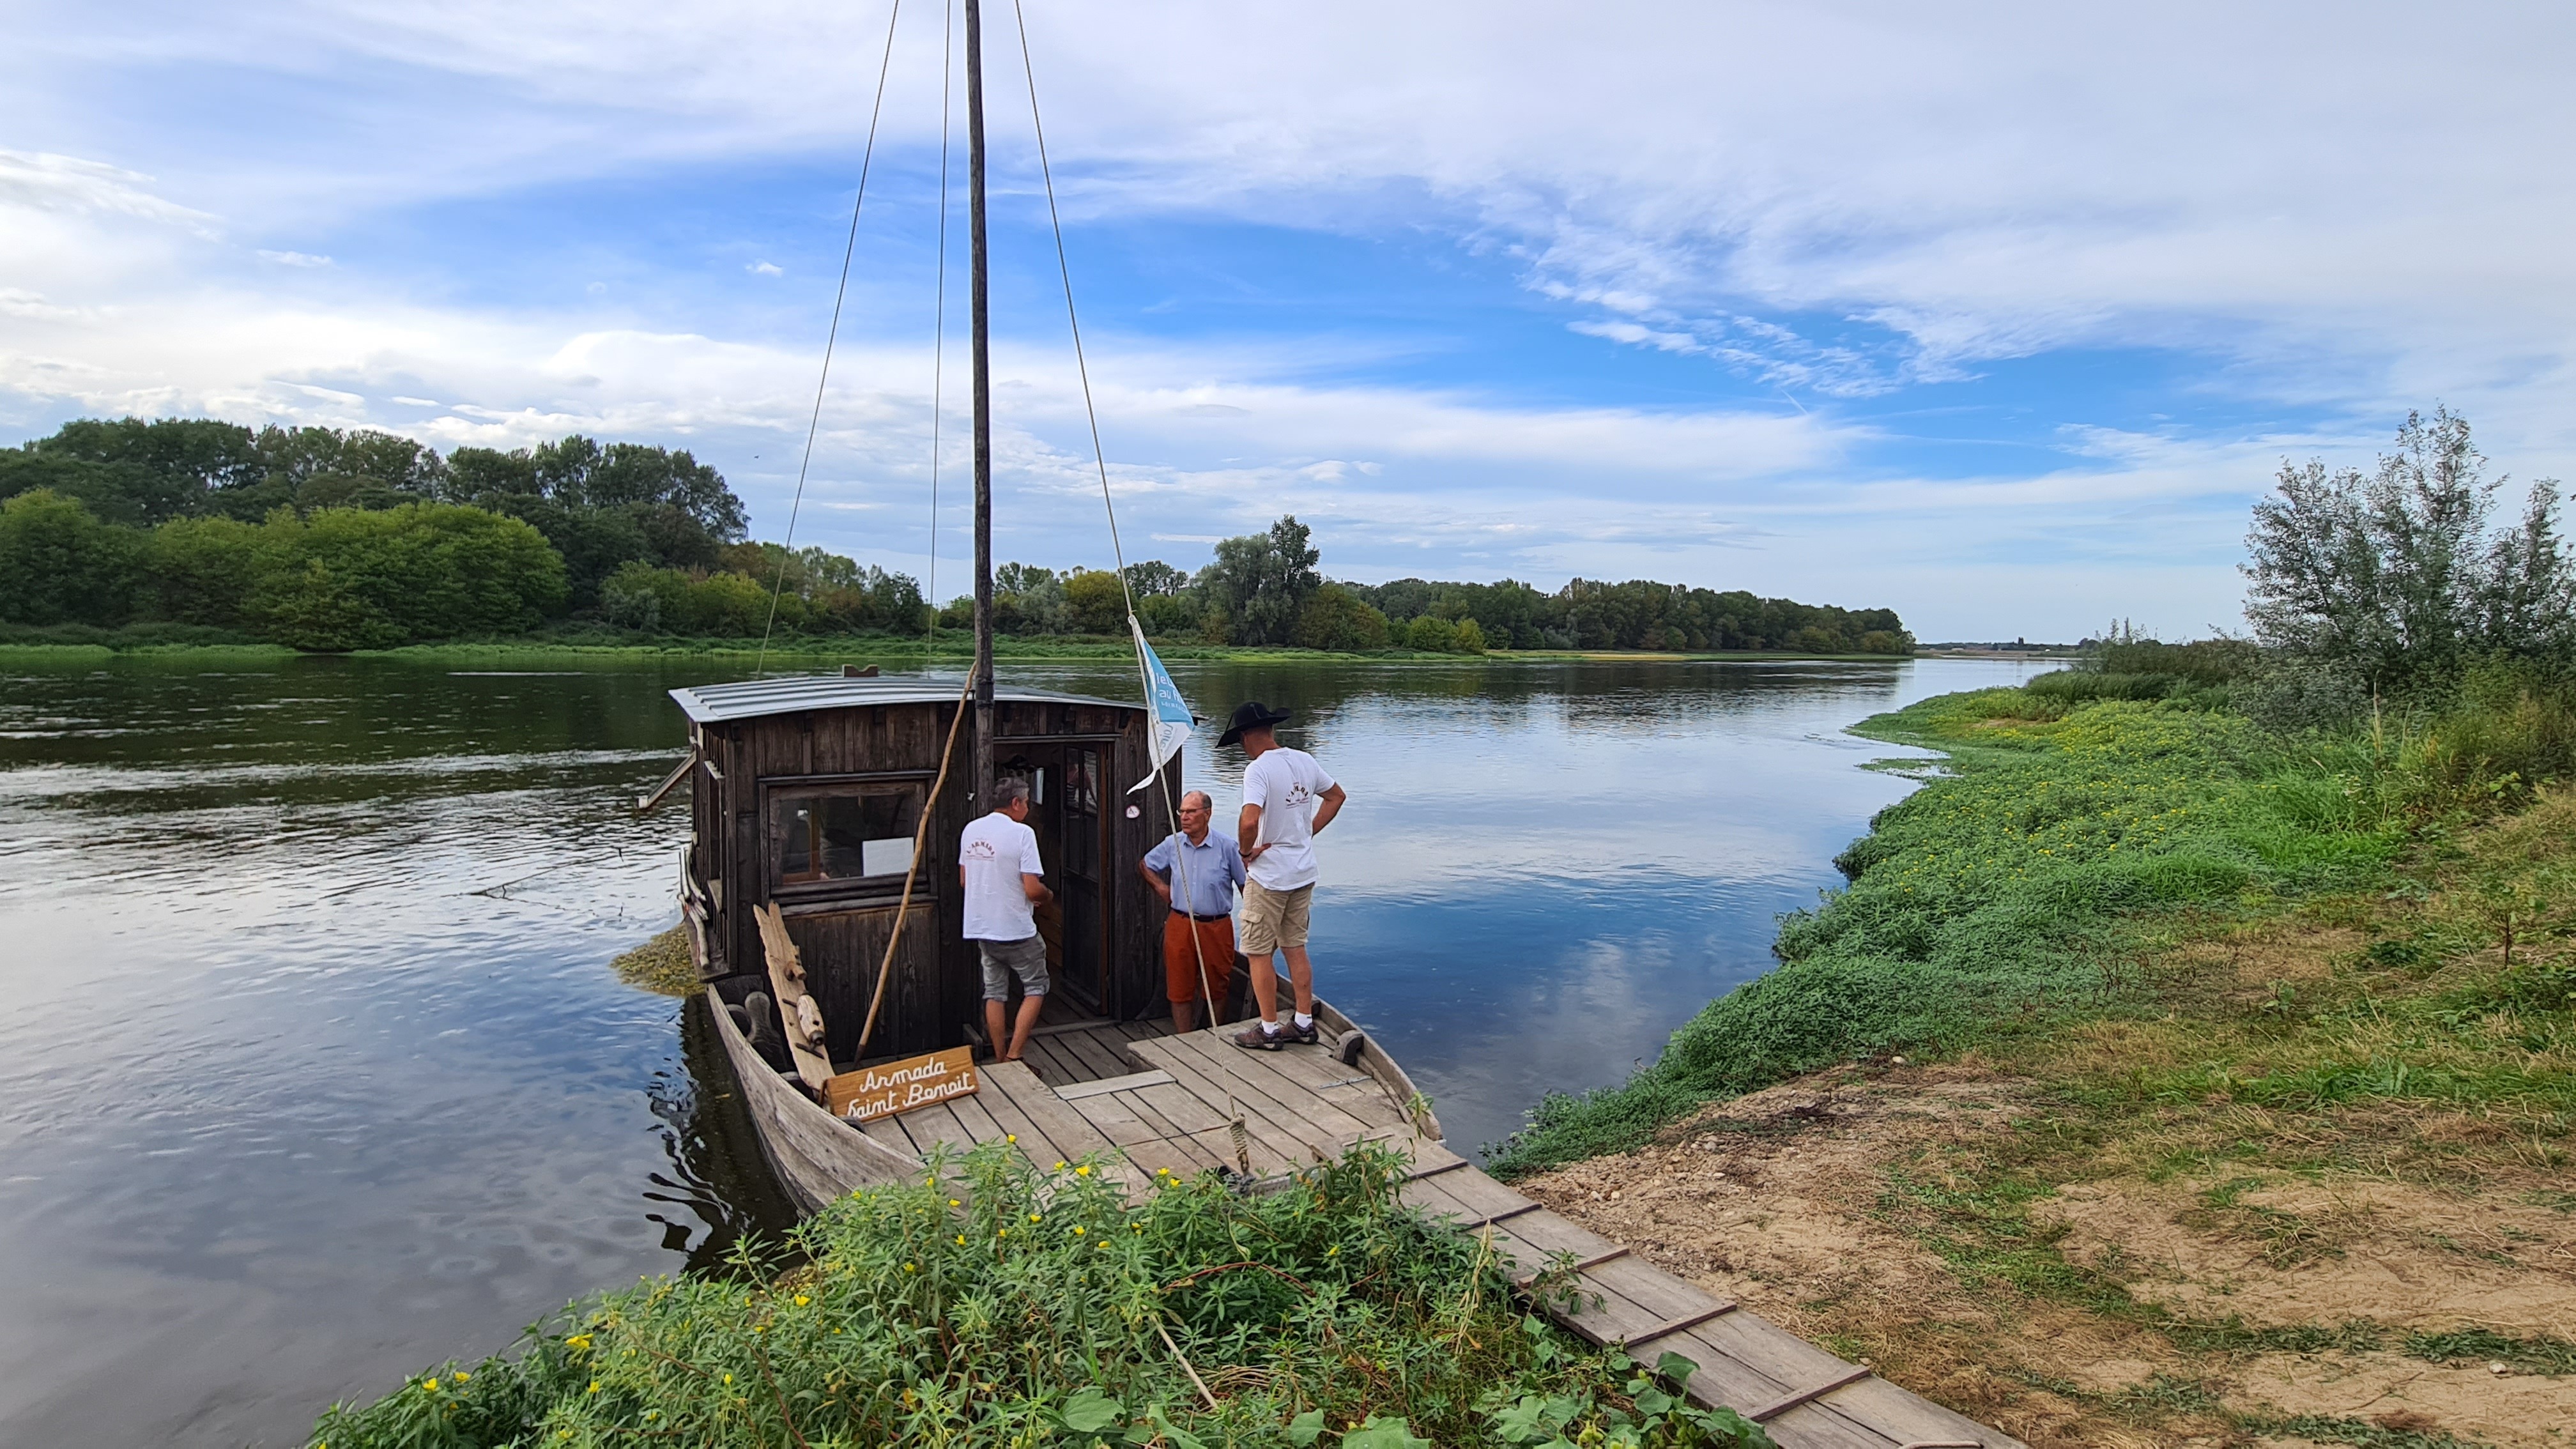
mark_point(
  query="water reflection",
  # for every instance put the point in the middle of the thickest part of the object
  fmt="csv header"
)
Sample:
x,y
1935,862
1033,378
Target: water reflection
x,y
316,1071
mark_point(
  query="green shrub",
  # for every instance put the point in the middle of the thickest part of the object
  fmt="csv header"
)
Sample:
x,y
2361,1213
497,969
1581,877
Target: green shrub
x,y
991,1305
202,570
346,578
60,565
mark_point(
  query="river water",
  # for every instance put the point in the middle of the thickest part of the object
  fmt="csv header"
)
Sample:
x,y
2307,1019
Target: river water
x,y
315,1073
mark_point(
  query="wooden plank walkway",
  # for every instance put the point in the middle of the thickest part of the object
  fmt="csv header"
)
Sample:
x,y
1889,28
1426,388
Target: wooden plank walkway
x,y
1153,1102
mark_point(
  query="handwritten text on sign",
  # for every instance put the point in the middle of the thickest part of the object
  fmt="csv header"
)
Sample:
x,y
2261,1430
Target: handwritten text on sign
x,y
882,1091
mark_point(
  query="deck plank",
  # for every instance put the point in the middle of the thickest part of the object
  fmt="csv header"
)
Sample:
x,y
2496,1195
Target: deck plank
x,y
1014,1120
1286,1105
1063,1127
1098,1058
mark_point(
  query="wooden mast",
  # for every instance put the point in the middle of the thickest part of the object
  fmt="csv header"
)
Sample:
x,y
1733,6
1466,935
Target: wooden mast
x,y
981,781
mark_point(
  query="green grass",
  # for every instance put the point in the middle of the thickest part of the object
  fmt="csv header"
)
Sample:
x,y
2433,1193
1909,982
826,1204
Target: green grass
x,y
1990,900
993,1304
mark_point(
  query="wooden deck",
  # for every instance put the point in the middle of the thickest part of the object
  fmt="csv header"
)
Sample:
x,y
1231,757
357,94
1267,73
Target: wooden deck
x,y
1158,1101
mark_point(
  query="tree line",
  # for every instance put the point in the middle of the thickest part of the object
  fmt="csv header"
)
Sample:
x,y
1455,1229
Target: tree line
x,y
327,539
1268,589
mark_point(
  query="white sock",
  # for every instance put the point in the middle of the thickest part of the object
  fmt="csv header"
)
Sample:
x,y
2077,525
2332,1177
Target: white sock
x,y
1271,1027
1304,1021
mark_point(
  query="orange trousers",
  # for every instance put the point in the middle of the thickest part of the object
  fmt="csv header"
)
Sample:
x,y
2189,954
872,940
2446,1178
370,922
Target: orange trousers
x,y
1215,940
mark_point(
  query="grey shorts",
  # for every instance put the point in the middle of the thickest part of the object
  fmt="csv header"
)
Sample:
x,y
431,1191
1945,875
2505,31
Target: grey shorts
x,y
1006,959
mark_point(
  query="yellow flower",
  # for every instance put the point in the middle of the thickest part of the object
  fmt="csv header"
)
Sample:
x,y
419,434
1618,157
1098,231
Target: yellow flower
x,y
802,1300
1083,1171
1012,1138
1001,1232
952,1202
1333,1250
1059,1164
1033,1217
909,1268
1077,1230
961,1240
728,1379
582,1340
462,1376
594,1386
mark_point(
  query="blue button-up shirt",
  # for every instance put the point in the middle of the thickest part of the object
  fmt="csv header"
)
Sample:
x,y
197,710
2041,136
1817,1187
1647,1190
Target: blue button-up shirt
x,y
1211,872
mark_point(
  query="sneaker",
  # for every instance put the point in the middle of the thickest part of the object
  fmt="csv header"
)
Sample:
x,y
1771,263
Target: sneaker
x,y
1295,1035
1256,1038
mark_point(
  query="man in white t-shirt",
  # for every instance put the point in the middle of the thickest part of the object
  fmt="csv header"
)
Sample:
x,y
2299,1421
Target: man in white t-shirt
x,y
998,867
1287,799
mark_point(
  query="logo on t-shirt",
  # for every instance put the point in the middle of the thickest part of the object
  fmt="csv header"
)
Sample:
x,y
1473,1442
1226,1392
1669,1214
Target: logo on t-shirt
x,y
981,850
1299,797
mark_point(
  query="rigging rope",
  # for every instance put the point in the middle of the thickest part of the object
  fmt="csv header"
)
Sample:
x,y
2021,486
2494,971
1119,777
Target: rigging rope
x,y
939,336
1100,460
867,158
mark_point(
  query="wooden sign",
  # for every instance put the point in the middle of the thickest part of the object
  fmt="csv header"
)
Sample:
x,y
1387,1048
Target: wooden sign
x,y
884,1090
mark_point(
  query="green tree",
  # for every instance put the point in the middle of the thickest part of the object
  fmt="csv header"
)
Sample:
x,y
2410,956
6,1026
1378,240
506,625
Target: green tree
x,y
131,471
1431,634
2394,578
1261,581
1098,602
1470,637
1336,618
733,606
1154,577
354,579
60,565
202,570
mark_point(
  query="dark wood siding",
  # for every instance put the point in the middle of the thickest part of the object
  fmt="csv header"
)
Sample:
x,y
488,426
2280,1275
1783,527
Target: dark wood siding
x,y
935,987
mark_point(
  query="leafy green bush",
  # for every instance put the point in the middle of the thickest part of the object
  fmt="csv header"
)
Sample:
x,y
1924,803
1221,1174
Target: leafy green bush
x,y
60,565
345,578
992,1304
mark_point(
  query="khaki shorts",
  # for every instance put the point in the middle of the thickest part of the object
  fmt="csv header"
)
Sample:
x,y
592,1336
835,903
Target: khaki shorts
x,y
1274,920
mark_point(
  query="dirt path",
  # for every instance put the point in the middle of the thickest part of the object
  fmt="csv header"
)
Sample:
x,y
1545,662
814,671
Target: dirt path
x,y
1888,1212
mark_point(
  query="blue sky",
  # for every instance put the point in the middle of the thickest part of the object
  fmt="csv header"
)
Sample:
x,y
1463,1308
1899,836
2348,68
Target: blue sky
x,y
1999,316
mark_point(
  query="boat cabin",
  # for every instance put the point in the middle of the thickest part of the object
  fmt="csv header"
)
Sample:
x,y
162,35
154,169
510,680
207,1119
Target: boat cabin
x,y
807,792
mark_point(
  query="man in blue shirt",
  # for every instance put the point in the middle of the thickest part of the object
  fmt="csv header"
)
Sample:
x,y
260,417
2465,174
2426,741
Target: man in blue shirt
x,y
1196,873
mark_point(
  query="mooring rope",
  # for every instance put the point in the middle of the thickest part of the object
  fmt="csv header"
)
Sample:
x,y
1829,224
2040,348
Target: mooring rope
x,y
1118,551
813,425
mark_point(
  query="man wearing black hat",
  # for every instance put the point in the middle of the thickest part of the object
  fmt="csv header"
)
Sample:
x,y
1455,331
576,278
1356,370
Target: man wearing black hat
x,y
1287,799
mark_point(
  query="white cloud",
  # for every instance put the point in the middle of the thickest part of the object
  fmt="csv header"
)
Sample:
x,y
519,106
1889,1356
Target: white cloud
x,y
294,259
1837,202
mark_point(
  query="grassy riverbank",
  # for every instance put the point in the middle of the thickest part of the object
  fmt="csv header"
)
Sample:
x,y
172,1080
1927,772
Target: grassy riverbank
x,y
2154,1077
1004,1306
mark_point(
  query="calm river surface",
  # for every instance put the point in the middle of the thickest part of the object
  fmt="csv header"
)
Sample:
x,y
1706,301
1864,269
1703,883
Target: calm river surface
x,y
314,1071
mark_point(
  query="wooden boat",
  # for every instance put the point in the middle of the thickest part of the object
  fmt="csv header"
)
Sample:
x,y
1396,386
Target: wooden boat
x,y
807,794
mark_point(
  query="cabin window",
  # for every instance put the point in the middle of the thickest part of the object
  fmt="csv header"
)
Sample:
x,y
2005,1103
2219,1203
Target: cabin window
x,y
843,834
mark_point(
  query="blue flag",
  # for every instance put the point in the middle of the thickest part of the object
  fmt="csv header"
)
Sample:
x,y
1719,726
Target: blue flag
x,y
1172,718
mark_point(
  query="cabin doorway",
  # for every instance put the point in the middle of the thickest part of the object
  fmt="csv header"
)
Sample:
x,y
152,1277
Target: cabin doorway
x,y
1067,787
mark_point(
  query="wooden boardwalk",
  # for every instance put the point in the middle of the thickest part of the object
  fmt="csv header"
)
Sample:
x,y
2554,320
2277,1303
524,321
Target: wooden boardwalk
x,y
1156,1101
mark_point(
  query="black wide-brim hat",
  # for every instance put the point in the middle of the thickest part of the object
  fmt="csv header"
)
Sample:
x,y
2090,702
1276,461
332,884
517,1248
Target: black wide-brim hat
x,y
1250,715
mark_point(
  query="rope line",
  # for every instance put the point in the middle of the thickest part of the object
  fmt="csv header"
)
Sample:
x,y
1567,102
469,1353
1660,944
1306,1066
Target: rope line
x,y
813,425
939,335
1118,551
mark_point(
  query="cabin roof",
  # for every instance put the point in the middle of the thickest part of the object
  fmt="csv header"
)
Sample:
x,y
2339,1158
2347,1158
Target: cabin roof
x,y
752,698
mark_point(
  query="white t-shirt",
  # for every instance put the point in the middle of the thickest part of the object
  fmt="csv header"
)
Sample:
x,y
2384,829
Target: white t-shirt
x,y
996,851
1285,783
